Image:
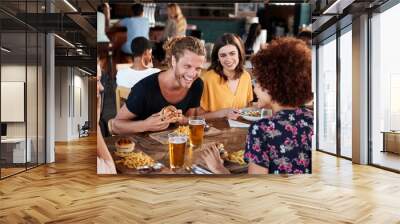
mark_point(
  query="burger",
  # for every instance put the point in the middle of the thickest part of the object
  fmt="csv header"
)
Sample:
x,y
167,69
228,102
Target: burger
x,y
125,145
170,113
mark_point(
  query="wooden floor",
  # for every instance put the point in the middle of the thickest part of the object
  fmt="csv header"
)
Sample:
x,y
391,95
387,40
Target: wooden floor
x,y
387,159
69,191
10,171
5,172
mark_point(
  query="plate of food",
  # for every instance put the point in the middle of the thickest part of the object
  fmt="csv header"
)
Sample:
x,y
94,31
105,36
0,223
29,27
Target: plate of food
x,y
130,160
251,114
254,114
234,160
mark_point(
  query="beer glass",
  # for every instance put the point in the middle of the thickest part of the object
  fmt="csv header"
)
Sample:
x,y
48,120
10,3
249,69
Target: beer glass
x,y
177,148
196,134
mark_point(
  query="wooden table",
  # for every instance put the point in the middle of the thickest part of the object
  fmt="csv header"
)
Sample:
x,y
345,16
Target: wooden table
x,y
391,141
233,139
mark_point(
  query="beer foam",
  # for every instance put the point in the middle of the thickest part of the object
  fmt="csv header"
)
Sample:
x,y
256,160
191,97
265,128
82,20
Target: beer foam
x,y
177,139
197,122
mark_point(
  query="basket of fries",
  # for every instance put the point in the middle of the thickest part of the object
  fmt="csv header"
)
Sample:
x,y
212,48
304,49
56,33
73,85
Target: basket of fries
x,y
136,161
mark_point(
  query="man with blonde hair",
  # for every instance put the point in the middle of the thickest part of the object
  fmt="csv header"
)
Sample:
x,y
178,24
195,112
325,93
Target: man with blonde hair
x,y
178,86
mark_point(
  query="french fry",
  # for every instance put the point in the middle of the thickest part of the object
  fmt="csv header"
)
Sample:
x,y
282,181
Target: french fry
x,y
237,157
254,113
183,130
135,159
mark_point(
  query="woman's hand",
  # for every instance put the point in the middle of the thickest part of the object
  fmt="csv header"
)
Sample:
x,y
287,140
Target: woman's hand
x,y
213,160
233,114
228,113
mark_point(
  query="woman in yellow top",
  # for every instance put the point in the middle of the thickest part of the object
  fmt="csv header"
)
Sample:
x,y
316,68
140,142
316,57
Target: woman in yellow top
x,y
227,86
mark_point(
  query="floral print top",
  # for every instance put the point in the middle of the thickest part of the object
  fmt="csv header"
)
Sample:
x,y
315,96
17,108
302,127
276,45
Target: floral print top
x,y
282,143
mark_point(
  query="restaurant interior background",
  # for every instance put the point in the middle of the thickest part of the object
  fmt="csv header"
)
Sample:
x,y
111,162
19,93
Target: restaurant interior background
x,y
206,21
354,73
47,80
45,43
357,81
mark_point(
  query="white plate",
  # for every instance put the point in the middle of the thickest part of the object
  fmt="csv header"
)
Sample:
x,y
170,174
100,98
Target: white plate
x,y
263,112
250,118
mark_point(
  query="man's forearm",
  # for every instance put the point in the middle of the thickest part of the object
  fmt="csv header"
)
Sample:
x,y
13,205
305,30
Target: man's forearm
x,y
124,127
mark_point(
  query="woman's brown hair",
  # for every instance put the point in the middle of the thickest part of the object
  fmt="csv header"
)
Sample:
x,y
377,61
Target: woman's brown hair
x,y
284,70
227,39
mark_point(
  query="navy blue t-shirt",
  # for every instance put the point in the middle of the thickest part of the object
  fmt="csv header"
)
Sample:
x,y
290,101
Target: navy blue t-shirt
x,y
146,99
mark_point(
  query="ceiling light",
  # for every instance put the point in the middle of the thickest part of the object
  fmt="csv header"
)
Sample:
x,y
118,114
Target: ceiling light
x,y
337,7
333,6
65,41
283,4
84,71
5,50
70,5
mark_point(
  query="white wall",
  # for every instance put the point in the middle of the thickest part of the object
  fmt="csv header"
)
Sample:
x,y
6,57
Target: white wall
x,y
61,103
13,73
80,83
34,125
71,93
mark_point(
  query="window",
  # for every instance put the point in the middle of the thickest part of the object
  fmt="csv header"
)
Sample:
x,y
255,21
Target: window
x,y
22,76
327,96
385,88
346,92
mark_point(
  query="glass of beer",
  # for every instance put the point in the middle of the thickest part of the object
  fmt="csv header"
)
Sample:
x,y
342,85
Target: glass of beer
x,y
196,127
177,148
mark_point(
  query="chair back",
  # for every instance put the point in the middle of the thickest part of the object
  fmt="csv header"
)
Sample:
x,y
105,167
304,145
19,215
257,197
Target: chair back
x,y
121,94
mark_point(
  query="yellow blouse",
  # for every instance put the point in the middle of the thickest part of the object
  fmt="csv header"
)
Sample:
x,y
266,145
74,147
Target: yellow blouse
x,y
217,95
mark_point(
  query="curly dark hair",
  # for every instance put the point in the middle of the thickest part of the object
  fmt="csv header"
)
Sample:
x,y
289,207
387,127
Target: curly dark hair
x,y
284,70
227,39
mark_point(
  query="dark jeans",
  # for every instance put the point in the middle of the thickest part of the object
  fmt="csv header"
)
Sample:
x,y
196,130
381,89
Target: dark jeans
x,y
108,109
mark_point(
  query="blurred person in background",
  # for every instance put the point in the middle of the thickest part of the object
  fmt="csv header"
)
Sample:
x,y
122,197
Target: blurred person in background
x,y
103,22
137,26
254,40
176,24
142,64
306,36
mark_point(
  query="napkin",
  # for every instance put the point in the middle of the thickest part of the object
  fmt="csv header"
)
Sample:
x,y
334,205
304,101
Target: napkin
x,y
237,124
